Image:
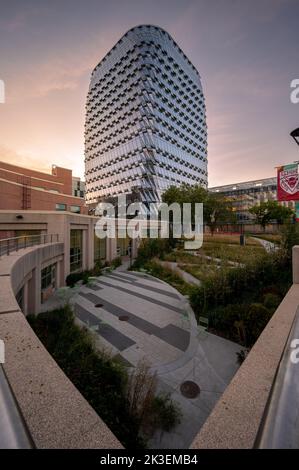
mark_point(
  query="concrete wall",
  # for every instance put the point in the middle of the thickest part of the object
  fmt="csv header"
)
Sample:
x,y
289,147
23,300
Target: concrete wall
x,y
62,223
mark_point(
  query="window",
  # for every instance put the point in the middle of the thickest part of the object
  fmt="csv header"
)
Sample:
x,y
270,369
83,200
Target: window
x,y
99,248
61,207
76,250
75,209
20,298
48,276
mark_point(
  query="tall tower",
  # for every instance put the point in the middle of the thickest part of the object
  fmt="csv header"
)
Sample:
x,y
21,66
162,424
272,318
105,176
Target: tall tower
x,y
145,126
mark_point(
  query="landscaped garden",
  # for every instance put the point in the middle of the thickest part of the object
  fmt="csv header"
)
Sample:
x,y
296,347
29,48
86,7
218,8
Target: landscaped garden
x,y
126,400
241,286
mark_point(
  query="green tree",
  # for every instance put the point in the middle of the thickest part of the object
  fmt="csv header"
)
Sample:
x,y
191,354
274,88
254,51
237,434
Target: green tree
x,y
216,208
217,211
265,212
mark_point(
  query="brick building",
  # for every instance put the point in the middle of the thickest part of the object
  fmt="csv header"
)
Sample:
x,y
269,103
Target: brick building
x,y
23,188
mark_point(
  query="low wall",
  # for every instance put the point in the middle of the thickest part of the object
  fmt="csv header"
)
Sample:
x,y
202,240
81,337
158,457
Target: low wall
x,y
56,414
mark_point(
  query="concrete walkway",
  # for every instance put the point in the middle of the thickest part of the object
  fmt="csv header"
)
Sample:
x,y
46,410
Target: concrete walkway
x,y
269,246
161,328
187,277
136,316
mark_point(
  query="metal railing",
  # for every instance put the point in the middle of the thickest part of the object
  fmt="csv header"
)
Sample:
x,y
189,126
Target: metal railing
x,y
8,245
14,433
280,424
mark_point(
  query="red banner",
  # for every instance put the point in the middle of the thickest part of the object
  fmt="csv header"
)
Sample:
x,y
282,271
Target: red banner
x,y
288,183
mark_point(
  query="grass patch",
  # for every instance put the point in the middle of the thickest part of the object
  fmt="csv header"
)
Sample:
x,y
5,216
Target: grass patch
x,y
200,271
228,239
167,275
274,238
236,253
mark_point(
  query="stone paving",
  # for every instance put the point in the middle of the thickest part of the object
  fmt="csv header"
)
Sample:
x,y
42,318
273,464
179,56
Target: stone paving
x,y
159,326
135,316
156,323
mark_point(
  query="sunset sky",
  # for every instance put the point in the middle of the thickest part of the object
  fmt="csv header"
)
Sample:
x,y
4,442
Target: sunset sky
x,y
245,51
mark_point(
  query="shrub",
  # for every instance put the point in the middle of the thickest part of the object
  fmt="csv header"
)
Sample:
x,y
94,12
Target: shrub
x,y
73,278
97,269
150,248
238,284
103,381
165,413
228,321
167,275
271,301
241,323
255,321
290,238
116,262
151,411
241,355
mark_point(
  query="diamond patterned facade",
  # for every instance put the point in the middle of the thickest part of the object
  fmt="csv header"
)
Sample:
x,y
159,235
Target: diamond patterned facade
x,y
145,123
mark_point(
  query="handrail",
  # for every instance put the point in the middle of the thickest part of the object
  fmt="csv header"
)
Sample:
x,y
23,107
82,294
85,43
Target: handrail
x,y
14,433
280,424
8,245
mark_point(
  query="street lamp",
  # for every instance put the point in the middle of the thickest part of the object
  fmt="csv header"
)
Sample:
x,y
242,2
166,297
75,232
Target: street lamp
x,y
295,135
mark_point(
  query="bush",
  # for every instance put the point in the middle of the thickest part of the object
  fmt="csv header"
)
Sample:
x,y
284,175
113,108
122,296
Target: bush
x,y
102,380
290,238
97,269
237,285
228,321
271,301
73,278
150,410
150,248
116,262
167,275
240,323
255,321
165,413
241,355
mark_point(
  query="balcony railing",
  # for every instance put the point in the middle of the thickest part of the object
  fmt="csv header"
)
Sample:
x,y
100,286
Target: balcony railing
x,y
8,245
280,424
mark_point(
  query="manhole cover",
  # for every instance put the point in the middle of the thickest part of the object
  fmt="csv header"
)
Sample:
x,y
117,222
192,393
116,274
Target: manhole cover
x,y
189,389
98,305
123,317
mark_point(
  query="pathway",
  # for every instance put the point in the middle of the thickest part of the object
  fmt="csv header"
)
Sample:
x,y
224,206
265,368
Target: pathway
x,y
269,246
160,326
136,316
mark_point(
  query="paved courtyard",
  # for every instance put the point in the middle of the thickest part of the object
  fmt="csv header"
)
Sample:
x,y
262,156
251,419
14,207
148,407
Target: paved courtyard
x,y
136,316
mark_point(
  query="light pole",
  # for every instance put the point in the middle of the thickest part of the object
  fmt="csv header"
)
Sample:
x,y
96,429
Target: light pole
x,y
295,135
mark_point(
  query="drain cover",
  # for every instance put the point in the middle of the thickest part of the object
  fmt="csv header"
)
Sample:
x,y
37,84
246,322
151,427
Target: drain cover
x,y
189,389
98,305
123,317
